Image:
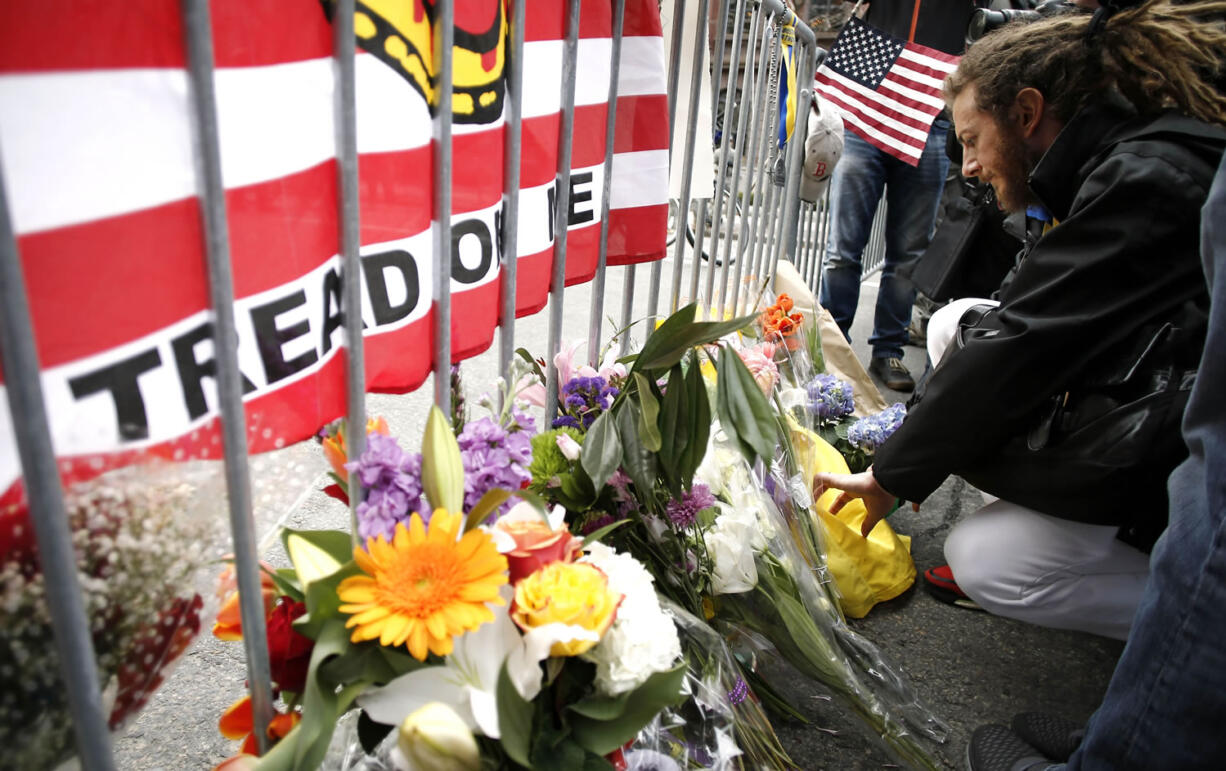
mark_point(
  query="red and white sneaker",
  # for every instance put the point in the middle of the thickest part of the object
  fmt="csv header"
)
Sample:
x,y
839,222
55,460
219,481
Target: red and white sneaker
x,y
941,585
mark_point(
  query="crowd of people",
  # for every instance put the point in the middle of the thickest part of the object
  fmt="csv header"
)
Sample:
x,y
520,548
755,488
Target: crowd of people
x,y
1084,399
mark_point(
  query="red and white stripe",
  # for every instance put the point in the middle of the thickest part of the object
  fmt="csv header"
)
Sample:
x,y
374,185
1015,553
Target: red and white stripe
x,y
897,116
96,146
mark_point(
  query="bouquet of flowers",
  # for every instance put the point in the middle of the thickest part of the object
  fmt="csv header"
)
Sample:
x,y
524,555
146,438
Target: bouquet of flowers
x,y
467,636
700,522
139,540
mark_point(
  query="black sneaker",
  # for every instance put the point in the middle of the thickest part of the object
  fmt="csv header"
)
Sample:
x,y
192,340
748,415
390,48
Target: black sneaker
x,y
892,373
1055,736
996,748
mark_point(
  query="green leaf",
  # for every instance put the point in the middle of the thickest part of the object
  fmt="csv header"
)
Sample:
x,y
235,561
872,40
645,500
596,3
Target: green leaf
x,y
602,707
322,602
485,507
603,735
649,429
563,755
637,460
310,561
595,537
321,704
514,719
744,409
337,544
674,415
442,469
699,424
678,334
601,452
286,581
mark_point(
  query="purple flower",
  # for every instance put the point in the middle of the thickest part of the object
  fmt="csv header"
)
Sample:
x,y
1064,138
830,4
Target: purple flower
x,y
739,691
592,525
392,479
582,399
870,433
829,398
684,510
493,458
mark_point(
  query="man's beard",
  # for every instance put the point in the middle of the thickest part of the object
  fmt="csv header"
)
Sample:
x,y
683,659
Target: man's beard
x,y
1011,188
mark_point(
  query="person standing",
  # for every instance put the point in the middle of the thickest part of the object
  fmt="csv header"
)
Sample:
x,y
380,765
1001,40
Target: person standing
x,y
913,194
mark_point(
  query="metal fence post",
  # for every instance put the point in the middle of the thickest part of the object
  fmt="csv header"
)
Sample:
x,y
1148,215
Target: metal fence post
x,y
350,245
610,134
557,283
229,385
73,644
511,176
444,45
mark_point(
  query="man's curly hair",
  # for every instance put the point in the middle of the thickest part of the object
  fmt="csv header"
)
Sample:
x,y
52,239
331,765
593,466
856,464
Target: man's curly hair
x,y
1158,55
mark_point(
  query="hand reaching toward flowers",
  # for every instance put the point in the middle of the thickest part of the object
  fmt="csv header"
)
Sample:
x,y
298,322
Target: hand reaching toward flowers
x,y
878,503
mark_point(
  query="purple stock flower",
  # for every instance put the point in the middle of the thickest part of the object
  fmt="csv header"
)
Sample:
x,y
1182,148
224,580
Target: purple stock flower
x,y
829,398
870,433
392,478
684,510
494,458
582,399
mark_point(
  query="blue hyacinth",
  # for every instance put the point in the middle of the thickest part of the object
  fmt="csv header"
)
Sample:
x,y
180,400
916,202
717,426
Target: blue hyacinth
x,y
869,433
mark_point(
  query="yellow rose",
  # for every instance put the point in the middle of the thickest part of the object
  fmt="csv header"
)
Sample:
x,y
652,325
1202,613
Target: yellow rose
x,y
570,593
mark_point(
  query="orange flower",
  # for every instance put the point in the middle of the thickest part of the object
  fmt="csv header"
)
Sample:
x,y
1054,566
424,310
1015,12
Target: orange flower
x,y
229,623
238,722
536,543
777,321
337,453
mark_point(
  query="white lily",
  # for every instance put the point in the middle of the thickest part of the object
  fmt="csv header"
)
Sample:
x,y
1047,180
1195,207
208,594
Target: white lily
x,y
468,681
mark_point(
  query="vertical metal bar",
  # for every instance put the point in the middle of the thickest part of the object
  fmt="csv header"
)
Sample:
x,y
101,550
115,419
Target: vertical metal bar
x,y
791,196
674,68
610,133
700,232
725,140
743,140
674,73
687,159
627,310
225,339
557,284
753,186
73,642
350,245
444,45
511,176
765,172
802,258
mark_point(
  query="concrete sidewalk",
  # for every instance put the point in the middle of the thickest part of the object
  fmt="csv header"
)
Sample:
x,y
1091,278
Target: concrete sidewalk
x,y
970,668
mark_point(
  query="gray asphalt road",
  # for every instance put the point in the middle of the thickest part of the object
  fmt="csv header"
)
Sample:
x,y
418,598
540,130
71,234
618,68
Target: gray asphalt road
x,y
969,667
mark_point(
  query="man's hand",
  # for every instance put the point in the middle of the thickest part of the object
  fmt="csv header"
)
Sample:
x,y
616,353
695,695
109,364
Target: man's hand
x,y
877,502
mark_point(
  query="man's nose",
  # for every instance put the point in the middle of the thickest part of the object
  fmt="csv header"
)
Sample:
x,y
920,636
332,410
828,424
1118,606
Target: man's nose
x,y
970,166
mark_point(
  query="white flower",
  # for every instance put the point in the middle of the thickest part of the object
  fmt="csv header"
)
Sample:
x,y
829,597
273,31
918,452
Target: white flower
x,y
468,681
569,447
643,638
435,738
734,570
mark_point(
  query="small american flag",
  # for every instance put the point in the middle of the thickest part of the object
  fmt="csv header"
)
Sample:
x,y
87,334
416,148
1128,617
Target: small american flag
x,y
888,90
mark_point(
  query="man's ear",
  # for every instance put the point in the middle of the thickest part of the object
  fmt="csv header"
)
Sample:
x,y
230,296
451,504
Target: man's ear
x,y
1028,110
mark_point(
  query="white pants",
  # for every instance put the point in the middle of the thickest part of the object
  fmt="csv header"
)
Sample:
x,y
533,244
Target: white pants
x,y
1018,563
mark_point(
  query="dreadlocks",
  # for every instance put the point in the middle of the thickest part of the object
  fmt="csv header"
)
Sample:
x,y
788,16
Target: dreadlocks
x,y
1159,55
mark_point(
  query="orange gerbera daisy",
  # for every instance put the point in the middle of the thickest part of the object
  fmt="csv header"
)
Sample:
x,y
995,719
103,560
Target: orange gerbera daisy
x,y
424,587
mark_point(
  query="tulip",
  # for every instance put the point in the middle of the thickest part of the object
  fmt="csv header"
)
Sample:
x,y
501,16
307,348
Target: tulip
x,y
435,738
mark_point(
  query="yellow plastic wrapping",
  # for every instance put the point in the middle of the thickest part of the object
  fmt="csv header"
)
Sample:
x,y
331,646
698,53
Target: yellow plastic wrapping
x,y
866,570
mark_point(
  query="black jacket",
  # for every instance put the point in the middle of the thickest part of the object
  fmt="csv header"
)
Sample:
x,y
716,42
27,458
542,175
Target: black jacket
x,y
1122,262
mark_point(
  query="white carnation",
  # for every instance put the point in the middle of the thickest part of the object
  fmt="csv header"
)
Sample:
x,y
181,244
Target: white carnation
x,y
643,639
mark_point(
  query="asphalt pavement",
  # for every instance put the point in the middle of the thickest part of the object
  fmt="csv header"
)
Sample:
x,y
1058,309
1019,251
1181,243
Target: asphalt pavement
x,y
969,667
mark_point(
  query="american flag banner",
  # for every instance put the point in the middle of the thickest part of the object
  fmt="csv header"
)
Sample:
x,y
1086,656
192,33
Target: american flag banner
x,y
888,90
98,164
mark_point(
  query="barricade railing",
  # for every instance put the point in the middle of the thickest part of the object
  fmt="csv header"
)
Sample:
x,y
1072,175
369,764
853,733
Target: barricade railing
x,y
749,219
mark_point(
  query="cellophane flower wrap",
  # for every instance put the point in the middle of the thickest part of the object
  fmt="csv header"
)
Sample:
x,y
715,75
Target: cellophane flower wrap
x,y
141,537
714,541
465,633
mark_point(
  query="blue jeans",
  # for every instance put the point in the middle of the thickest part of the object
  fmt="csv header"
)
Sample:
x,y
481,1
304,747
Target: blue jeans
x,y
1165,704
912,197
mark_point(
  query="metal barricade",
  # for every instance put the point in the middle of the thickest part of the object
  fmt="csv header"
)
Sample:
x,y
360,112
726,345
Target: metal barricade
x,y
740,229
